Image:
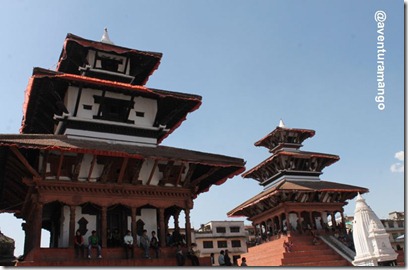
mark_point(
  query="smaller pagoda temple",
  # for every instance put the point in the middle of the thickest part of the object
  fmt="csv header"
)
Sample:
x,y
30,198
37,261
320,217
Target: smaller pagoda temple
x,y
294,198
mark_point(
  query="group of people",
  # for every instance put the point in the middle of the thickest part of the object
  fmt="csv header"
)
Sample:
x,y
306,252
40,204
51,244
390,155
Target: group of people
x,y
146,243
193,253
225,260
93,242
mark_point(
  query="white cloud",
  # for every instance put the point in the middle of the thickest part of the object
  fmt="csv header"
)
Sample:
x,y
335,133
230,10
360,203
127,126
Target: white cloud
x,y
399,155
398,167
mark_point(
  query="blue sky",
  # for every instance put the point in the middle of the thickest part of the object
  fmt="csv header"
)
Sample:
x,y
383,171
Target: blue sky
x,y
312,63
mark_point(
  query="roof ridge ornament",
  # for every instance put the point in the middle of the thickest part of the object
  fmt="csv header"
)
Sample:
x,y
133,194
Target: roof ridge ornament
x,y
105,37
281,123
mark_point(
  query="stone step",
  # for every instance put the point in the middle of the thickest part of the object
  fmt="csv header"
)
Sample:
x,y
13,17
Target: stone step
x,y
306,259
332,263
305,253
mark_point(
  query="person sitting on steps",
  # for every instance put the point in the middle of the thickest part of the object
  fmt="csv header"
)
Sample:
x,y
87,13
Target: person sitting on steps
x,y
93,242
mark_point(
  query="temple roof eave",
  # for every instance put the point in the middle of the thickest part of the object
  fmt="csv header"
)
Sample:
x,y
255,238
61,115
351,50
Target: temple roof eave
x,y
177,104
306,133
330,159
207,169
297,186
64,144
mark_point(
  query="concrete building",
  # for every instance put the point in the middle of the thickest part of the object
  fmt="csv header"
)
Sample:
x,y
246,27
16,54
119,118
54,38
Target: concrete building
x,y
395,227
215,236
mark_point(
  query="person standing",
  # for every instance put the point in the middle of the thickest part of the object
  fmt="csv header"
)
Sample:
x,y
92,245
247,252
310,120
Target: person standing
x,y
154,244
128,242
145,243
227,258
180,256
243,262
212,259
93,242
79,244
194,254
221,258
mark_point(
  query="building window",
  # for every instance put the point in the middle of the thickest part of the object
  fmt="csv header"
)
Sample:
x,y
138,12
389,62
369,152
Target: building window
x,y
236,243
221,244
390,224
234,229
87,107
400,224
221,230
384,223
112,109
208,244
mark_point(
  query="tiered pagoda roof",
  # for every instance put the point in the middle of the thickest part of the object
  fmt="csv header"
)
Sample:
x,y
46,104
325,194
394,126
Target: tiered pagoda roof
x,y
287,160
291,175
94,111
74,54
46,91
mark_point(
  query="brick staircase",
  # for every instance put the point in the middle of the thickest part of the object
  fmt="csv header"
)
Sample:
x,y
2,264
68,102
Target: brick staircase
x,y
303,254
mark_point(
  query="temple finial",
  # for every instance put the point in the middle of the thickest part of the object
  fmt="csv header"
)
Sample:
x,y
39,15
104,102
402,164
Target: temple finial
x,y
281,124
105,37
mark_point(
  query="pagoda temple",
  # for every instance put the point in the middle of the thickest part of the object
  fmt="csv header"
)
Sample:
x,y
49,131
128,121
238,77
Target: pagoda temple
x,y
294,198
89,154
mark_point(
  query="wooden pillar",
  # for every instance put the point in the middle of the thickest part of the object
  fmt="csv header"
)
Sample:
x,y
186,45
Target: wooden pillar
x,y
334,220
288,226
342,219
176,220
104,226
255,229
37,224
162,226
71,225
188,227
133,211
311,220
26,230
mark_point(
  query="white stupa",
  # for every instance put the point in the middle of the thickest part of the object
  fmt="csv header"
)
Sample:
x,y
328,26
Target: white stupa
x,y
371,241
281,124
105,37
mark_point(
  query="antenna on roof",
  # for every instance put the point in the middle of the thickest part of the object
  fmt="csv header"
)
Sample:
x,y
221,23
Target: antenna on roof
x,y
281,124
105,37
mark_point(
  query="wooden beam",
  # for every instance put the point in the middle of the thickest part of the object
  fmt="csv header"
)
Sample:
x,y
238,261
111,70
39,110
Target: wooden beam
x,y
24,161
106,169
182,167
44,164
60,162
191,169
91,169
199,179
152,172
122,170
77,167
136,171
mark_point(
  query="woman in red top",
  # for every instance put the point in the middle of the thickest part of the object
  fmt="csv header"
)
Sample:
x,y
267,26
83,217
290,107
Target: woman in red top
x,y
79,244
